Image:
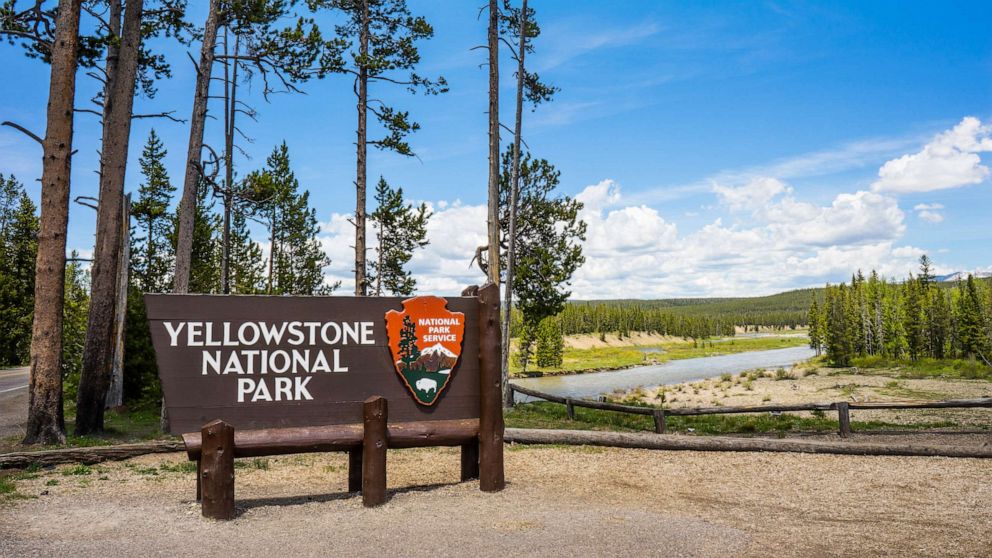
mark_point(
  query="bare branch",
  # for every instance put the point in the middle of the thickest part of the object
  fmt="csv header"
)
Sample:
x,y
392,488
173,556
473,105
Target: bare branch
x,y
27,132
167,114
86,201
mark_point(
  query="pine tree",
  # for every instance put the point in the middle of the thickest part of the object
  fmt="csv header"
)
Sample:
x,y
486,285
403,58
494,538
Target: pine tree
x,y
18,250
971,321
409,352
550,344
400,228
246,261
151,250
939,323
296,258
549,237
525,345
386,52
815,333
840,346
204,273
301,260
914,319
74,315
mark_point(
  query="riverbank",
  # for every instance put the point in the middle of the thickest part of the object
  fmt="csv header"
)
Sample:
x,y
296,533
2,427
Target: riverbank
x,y
558,500
810,382
586,353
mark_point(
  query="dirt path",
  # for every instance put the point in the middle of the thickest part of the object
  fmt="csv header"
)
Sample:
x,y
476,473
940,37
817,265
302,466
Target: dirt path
x,y
559,502
13,401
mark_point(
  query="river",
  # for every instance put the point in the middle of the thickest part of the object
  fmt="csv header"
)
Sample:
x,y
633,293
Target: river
x,y
671,372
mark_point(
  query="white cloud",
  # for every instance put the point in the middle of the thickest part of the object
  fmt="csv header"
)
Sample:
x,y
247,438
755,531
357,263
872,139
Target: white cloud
x,y
628,230
950,160
632,250
454,231
784,243
858,218
929,212
751,196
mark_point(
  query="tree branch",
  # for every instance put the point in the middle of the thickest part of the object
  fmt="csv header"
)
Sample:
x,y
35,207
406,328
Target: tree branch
x,y
24,130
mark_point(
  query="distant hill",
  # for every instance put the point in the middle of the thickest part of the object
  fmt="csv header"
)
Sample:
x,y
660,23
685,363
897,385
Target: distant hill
x,y
784,309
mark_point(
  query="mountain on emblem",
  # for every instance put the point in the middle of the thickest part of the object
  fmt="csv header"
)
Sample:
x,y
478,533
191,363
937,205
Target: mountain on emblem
x,y
425,340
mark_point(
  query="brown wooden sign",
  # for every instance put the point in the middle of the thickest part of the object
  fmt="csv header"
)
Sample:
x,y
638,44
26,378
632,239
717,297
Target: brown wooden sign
x,y
274,362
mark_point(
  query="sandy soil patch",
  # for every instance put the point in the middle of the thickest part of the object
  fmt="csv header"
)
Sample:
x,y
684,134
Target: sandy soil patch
x,y
559,502
821,387
637,338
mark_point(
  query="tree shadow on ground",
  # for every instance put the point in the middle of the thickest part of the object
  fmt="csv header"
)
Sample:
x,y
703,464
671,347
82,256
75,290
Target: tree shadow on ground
x,y
247,504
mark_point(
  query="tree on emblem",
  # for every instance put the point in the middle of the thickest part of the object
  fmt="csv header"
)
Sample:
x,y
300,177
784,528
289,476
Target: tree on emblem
x,y
409,352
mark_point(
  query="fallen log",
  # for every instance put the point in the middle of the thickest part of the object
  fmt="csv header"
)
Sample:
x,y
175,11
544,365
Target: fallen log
x,y
87,456
633,440
638,440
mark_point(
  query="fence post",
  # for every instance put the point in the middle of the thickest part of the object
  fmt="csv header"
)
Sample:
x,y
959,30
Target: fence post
x,y
374,452
491,475
355,470
217,470
659,421
569,408
470,460
844,418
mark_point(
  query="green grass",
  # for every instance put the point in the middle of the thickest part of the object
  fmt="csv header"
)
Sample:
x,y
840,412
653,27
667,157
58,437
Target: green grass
x,y
181,467
121,426
77,470
925,368
7,486
579,360
258,464
552,415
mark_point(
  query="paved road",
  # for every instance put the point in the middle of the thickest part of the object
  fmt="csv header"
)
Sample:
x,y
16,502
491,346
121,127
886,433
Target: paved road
x,y
13,401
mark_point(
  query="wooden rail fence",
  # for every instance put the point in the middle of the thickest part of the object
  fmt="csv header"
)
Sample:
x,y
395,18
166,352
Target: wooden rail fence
x,y
659,414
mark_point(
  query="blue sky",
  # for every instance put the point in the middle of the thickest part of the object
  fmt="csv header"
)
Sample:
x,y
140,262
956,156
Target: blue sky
x,y
721,148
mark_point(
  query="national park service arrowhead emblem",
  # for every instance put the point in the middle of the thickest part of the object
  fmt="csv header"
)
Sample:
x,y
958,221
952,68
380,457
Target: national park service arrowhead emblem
x,y
425,340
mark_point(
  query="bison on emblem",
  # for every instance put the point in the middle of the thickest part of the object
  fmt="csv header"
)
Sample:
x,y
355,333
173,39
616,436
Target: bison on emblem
x,y
425,340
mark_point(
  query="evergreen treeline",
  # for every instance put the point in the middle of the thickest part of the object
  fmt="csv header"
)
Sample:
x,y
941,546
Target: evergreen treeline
x,y
622,319
913,319
782,310
294,265
18,250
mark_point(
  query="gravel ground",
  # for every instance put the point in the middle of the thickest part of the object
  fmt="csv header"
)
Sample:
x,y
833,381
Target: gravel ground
x,y
558,502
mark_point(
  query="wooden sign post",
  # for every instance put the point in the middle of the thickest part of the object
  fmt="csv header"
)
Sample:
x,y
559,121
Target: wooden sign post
x,y
247,376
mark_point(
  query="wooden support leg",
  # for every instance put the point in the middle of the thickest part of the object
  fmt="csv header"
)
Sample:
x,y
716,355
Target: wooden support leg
x,y
374,452
199,484
217,470
470,460
570,409
355,470
491,477
659,421
844,417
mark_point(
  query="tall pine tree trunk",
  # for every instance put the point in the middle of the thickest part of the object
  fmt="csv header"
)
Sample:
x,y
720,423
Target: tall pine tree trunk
x,y
493,218
514,192
230,110
187,203
272,251
118,104
46,423
362,147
